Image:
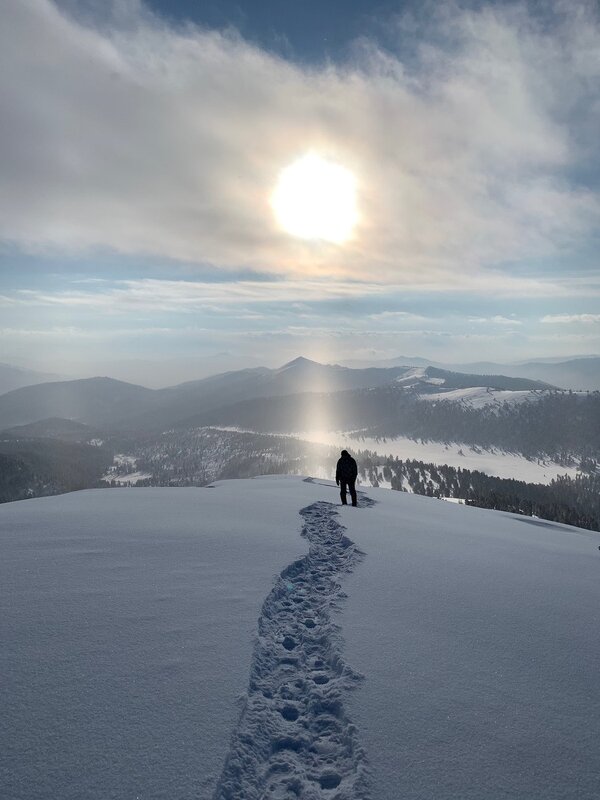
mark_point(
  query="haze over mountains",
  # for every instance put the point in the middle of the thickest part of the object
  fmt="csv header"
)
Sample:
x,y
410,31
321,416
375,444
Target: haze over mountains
x,y
581,373
111,404
495,440
12,377
315,402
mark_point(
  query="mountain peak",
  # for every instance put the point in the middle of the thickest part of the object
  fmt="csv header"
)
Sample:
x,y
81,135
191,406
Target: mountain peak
x,y
300,362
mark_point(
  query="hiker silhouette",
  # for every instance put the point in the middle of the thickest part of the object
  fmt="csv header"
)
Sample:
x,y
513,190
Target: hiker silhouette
x,y
345,477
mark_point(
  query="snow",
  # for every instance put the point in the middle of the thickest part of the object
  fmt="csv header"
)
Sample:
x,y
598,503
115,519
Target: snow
x,y
481,396
412,377
128,621
476,631
126,478
123,460
123,471
293,733
190,643
496,462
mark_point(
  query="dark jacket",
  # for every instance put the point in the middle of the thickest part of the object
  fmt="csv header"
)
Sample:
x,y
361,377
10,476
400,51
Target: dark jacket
x,y
347,469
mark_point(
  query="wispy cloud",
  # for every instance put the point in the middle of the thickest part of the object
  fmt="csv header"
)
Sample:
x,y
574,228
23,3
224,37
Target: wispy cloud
x,y
571,319
291,295
397,316
185,296
147,139
497,319
77,332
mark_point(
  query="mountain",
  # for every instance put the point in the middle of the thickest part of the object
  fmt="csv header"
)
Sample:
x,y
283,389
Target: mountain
x,y
299,375
179,403
410,361
361,408
577,374
15,377
581,373
115,405
99,402
407,648
104,402
52,428
438,381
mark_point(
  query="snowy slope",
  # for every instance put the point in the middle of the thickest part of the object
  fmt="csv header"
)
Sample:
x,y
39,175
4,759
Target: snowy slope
x,y
477,633
492,462
482,396
130,621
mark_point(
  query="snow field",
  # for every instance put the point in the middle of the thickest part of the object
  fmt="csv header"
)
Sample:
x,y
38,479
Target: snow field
x,y
495,462
126,478
476,633
127,630
190,644
119,471
482,396
463,456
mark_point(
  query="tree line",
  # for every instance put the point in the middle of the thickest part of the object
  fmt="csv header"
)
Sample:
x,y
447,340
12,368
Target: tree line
x,y
573,501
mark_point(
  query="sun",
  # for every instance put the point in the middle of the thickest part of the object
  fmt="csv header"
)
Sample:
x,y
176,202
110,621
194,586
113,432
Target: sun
x,y
316,199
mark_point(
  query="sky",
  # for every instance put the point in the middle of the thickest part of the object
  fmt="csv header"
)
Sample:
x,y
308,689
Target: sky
x,y
141,146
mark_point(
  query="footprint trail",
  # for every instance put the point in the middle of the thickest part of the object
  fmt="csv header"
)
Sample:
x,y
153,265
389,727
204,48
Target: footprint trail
x,y
294,738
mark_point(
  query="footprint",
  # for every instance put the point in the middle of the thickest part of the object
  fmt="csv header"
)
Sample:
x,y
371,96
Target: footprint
x,y
290,713
329,780
289,727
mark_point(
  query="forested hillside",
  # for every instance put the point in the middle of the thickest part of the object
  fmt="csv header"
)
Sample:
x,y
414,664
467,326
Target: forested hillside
x,y
573,501
198,457
556,425
38,467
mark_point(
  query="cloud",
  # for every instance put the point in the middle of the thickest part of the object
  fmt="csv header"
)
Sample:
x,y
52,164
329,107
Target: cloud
x,y
77,332
398,316
143,138
498,319
290,296
150,294
571,319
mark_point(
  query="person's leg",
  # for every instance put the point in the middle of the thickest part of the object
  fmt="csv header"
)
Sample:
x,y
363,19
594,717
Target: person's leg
x,y
343,493
353,492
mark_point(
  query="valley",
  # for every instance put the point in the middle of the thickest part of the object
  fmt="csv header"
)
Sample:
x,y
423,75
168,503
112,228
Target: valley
x,y
403,423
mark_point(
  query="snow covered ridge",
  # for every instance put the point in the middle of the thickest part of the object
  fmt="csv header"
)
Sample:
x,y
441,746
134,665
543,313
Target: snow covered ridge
x,y
294,738
482,396
108,405
133,619
418,375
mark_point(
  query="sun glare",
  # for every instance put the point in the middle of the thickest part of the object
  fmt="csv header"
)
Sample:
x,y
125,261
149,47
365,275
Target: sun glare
x,y
316,199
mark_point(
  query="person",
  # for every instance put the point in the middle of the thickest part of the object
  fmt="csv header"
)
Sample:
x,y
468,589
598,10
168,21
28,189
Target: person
x,y
345,476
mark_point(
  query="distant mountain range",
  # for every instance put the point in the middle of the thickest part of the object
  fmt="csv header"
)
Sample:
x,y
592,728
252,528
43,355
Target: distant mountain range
x,y
15,377
190,433
66,430
107,404
579,374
